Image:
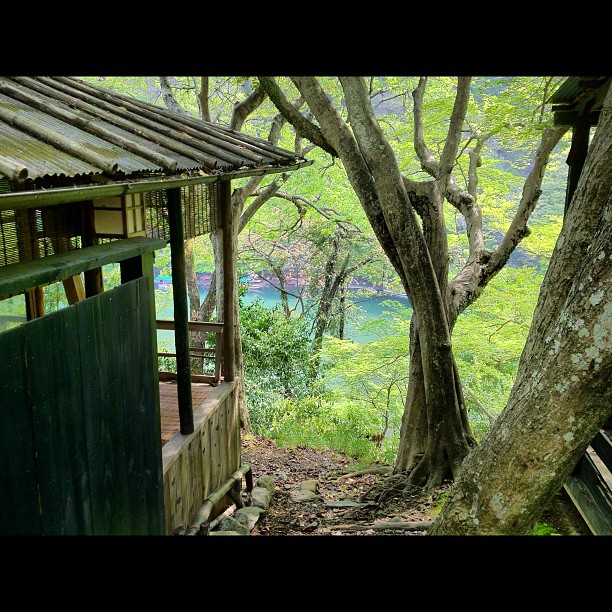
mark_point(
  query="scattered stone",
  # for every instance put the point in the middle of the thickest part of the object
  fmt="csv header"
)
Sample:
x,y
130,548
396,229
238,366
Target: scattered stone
x,y
343,503
229,523
267,482
261,497
310,485
249,515
303,495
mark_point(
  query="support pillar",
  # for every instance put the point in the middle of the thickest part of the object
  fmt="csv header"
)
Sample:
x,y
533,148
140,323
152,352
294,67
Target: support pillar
x,y
181,310
229,280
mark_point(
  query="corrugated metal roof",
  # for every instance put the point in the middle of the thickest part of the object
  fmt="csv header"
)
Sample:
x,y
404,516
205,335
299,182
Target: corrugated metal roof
x,y
574,88
62,126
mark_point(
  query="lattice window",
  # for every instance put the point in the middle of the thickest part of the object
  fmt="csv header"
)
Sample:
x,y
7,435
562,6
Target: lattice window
x,y
200,212
38,232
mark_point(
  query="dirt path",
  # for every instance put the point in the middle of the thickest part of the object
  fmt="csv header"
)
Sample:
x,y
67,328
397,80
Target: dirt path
x,y
343,499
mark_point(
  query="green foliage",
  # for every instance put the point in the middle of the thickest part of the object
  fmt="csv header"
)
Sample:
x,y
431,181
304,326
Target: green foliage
x,y
367,382
364,385
285,402
12,312
544,529
325,428
488,340
541,242
276,353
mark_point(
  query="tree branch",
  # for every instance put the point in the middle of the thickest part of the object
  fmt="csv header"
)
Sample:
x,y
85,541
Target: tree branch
x,y
306,128
168,97
243,109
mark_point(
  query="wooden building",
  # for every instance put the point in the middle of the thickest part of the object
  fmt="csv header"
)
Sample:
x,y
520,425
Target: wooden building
x,y
89,177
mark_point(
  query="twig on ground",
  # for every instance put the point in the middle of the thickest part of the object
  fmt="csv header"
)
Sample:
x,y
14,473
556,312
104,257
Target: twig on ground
x,y
404,526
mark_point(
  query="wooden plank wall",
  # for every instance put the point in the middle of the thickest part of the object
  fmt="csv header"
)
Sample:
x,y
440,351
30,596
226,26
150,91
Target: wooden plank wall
x,y
197,464
590,484
80,441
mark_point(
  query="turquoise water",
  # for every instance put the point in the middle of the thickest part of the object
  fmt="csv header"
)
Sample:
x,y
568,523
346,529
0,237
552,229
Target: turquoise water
x,y
363,309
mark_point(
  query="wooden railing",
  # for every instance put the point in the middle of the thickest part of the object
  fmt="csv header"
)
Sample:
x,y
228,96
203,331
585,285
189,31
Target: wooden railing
x,y
210,353
197,465
590,484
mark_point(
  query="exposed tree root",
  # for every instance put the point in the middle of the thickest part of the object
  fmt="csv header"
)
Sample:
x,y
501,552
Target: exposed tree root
x,y
395,486
376,470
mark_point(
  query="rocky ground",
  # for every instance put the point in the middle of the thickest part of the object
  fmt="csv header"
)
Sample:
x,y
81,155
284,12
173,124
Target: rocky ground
x,y
322,492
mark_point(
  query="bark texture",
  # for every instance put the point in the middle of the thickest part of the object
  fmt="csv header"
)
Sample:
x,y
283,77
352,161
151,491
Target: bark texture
x,y
562,394
408,219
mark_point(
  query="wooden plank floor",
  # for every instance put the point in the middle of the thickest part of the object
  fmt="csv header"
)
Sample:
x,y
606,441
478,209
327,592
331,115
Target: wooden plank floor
x,y
168,405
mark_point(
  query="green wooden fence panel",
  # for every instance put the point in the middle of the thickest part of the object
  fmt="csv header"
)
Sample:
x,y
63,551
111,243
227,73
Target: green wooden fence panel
x,y
123,418
80,434
141,418
19,508
59,428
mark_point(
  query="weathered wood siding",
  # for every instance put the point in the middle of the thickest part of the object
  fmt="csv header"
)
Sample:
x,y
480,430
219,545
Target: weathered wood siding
x,y
197,464
80,442
590,484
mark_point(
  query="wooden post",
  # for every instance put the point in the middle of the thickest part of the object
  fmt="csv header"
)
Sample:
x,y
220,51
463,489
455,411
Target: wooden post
x,y
93,278
35,303
75,291
181,310
229,280
576,158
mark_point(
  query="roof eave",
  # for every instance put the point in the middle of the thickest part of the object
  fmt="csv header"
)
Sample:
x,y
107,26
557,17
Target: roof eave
x,y
65,195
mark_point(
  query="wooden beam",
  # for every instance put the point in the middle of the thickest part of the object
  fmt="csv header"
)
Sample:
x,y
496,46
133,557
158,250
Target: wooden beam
x,y
181,310
577,154
74,288
64,195
35,303
93,278
571,118
229,280
19,277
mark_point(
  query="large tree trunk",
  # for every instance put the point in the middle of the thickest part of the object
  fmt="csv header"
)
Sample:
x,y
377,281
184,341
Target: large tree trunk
x,y
436,434
447,443
373,172
562,394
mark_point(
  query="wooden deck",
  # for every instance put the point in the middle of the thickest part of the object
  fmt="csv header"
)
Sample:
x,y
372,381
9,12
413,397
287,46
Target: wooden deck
x,y
168,405
195,465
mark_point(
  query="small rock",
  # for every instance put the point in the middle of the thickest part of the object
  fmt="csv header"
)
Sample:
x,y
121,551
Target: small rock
x,y
229,523
303,495
249,515
261,497
267,482
310,485
343,503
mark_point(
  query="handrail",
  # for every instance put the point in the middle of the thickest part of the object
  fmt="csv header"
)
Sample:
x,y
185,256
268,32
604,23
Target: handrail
x,y
215,353
199,326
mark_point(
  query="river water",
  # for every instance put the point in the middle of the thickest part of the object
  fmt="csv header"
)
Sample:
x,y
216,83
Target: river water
x,y
364,307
